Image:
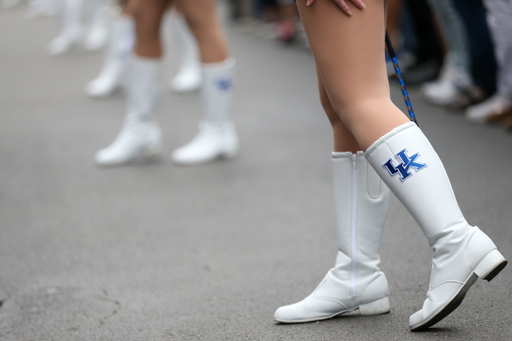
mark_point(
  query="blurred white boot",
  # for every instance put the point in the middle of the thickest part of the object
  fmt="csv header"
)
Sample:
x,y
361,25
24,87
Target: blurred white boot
x,y
97,31
217,137
189,77
140,137
48,8
118,51
72,32
7,4
356,281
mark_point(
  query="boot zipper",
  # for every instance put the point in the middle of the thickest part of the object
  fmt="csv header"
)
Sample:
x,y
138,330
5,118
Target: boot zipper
x,y
354,224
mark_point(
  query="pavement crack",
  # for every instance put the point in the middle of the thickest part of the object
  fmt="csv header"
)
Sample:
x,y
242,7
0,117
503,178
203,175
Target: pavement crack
x,y
105,297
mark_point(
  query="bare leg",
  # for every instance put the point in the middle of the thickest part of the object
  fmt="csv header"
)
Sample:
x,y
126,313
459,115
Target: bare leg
x,y
140,136
148,17
344,141
349,52
217,137
204,24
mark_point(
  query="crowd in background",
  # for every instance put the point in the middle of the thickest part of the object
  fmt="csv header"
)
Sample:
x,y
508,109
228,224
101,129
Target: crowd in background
x,y
459,52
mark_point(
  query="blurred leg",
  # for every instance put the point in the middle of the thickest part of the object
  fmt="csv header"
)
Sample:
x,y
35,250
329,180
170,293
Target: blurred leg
x,y
140,137
201,16
148,17
217,137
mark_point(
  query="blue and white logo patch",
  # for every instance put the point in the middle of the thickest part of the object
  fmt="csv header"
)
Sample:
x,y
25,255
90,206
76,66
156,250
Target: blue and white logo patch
x,y
224,83
404,169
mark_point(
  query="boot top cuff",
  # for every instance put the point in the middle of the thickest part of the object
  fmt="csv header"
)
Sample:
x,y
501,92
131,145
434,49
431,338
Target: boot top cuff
x,y
387,136
220,66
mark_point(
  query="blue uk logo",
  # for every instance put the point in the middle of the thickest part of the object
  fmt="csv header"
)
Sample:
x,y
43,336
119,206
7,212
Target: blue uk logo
x,y
403,169
224,84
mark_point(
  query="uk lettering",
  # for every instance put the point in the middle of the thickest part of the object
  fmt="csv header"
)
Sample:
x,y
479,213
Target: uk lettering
x,y
404,169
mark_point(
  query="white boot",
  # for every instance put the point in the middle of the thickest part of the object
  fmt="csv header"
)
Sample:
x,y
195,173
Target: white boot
x,y
48,8
406,161
8,4
217,137
140,137
189,77
96,36
116,58
361,202
72,32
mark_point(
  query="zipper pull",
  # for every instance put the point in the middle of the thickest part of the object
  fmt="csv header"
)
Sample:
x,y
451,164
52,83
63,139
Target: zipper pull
x,y
354,160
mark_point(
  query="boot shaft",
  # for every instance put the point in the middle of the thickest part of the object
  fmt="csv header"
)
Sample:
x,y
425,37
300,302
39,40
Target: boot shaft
x,y
144,88
408,164
217,91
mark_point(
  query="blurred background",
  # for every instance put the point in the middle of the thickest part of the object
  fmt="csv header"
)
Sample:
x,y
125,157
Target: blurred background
x,y
168,249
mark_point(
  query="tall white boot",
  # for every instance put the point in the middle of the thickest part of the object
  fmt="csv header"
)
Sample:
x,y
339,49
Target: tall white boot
x,y
72,31
189,77
8,4
118,51
217,137
356,281
140,137
48,8
96,35
406,161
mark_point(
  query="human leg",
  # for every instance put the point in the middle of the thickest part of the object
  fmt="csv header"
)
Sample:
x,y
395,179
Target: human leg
x,y
348,53
140,136
217,137
483,61
455,74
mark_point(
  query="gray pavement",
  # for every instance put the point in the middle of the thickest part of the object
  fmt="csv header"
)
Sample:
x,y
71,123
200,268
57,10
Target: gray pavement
x,y
160,252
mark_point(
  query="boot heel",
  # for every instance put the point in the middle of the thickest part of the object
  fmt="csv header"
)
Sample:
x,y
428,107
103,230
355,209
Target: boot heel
x,y
491,265
229,154
378,307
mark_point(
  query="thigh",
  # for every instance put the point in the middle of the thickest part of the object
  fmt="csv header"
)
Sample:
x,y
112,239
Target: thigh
x,y
202,18
148,16
200,14
349,51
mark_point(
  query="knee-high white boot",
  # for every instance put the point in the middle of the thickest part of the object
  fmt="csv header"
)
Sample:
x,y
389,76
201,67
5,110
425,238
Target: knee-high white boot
x,y
38,8
7,4
71,32
118,51
189,76
356,281
140,137
406,161
96,35
217,137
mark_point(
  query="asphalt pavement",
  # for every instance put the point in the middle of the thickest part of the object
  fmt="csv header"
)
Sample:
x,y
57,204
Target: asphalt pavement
x,y
162,252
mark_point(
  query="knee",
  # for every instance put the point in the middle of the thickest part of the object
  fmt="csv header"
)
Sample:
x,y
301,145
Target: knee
x,y
349,109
